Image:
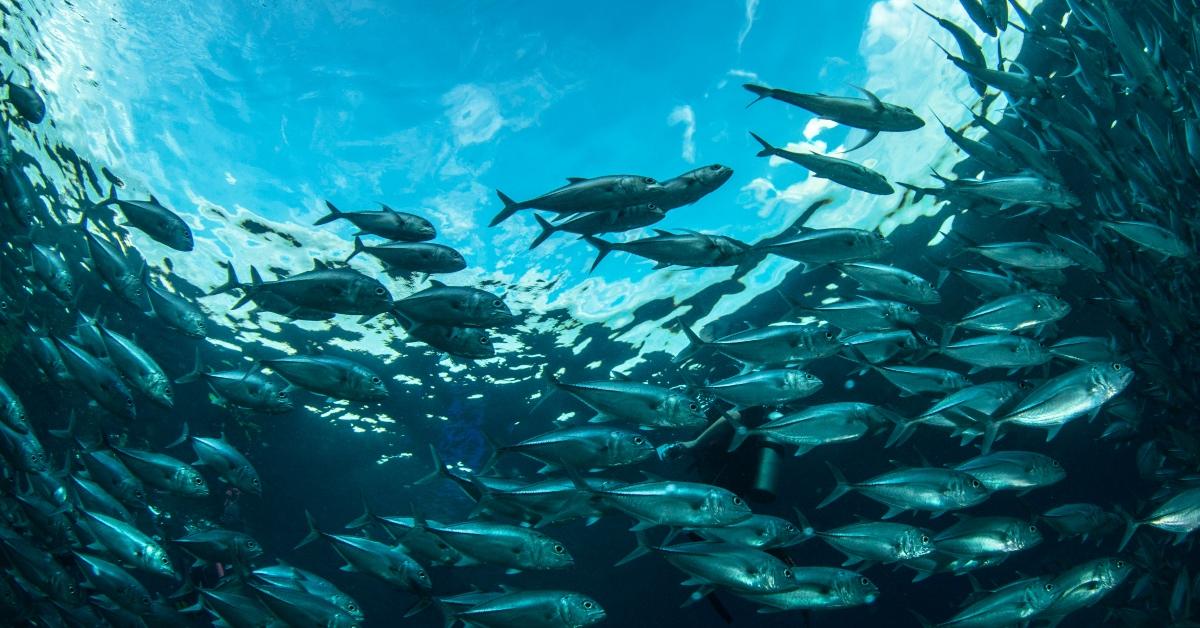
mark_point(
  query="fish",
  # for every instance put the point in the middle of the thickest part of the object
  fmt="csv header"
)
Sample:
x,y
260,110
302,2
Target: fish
x,y
49,265
519,609
115,583
248,389
40,569
1149,237
153,219
1179,515
296,607
1078,392
814,426
12,411
865,314
892,282
97,379
691,186
515,548
138,367
163,472
1025,255
1014,470
1007,351
332,376
26,100
918,488
230,465
121,274
776,344
819,588
765,532
1014,603
841,171
590,447
636,403
1016,312
412,257
980,536
586,195
691,250
472,343
711,565
384,222
287,576
419,541
455,305
237,608
967,46
174,311
216,545
870,113
657,502
389,564
1078,519
595,223
918,380
130,545
877,541
112,476
1086,584
323,289
768,387
815,248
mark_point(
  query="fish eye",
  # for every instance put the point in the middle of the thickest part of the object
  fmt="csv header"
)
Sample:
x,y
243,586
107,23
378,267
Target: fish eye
x,y
254,482
1120,564
1055,464
910,308
649,181
164,560
1033,528
380,291
714,167
693,407
197,480
71,589
829,335
588,605
422,574
497,303
352,607
558,549
975,484
787,573
483,340
863,581
375,380
737,501
129,402
1049,587
787,527
146,601
1037,306
251,544
1116,367
281,394
638,440
924,538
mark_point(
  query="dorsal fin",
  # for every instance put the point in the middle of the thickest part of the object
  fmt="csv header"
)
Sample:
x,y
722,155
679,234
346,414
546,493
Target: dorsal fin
x,y
436,284
576,179
386,207
619,376
875,102
154,201
663,232
319,265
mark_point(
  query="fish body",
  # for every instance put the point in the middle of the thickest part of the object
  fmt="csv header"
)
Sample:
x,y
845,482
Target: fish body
x,y
455,305
413,257
769,387
776,344
586,195
156,221
384,222
637,403
332,376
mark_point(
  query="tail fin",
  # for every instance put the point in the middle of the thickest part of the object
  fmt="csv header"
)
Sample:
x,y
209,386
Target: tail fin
x,y
695,345
231,281
767,149
439,469
759,91
642,549
603,248
494,448
313,533
547,231
196,374
359,247
334,214
182,437
364,519
1131,526
841,488
740,431
510,207
67,433
112,195
803,524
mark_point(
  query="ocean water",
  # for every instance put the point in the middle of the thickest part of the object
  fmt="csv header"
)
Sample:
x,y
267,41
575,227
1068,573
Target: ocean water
x,y
244,118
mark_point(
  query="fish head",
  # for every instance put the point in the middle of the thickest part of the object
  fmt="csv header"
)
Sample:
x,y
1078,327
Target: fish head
x,y
160,390
371,296
901,314
155,559
1111,572
1045,471
65,589
876,244
968,489
471,342
422,228
801,382
246,479
494,310
1051,306
420,577
551,554
629,447
724,508
276,400
577,610
189,481
1022,535
780,532
1039,595
855,589
1112,378
195,325
1059,194
823,341
683,411
33,458
914,543
246,547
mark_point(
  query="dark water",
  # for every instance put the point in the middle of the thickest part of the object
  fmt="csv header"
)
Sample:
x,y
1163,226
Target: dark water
x,y
310,460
